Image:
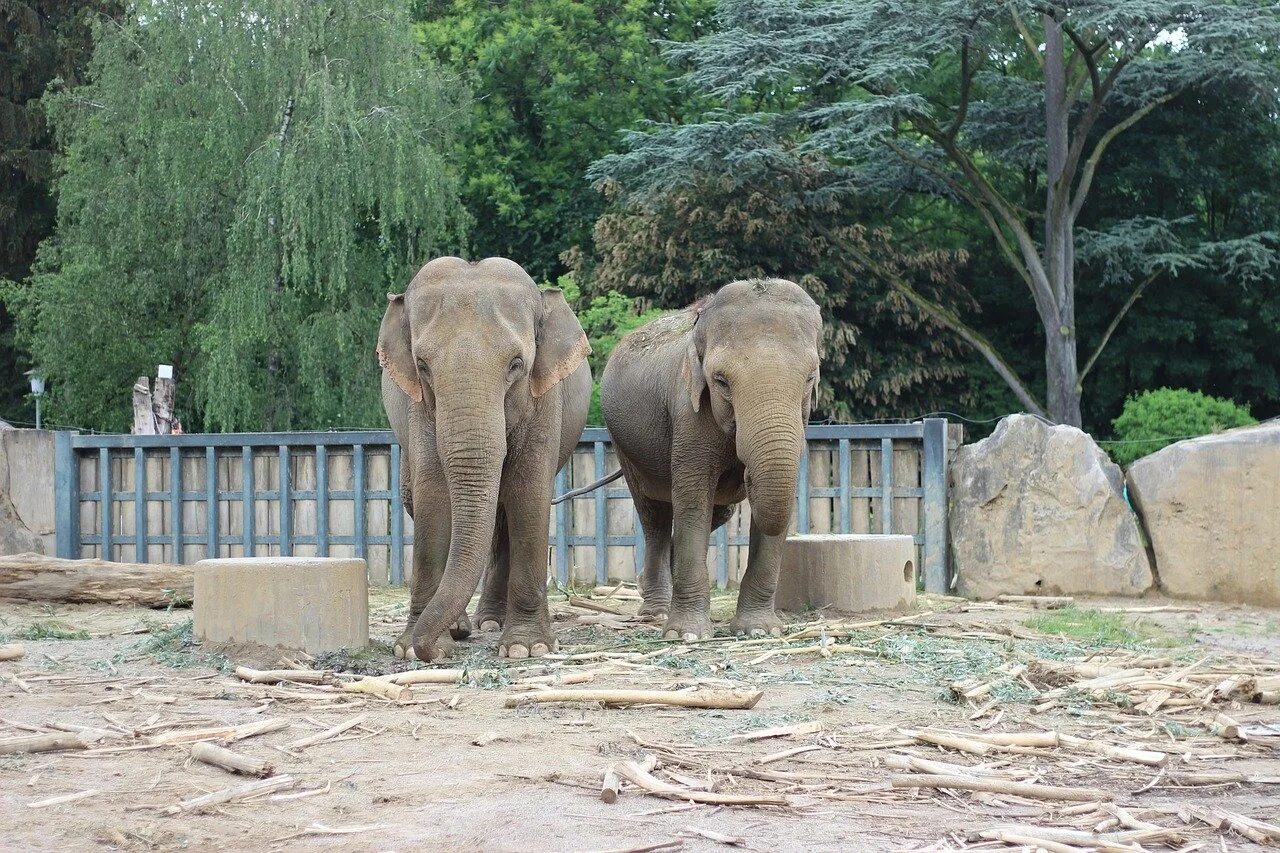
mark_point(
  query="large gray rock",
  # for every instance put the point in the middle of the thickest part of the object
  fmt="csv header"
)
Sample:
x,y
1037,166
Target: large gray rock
x,y
1211,506
1037,508
26,491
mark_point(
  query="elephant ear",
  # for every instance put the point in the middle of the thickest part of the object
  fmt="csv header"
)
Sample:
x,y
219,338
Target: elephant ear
x,y
562,345
395,352
694,378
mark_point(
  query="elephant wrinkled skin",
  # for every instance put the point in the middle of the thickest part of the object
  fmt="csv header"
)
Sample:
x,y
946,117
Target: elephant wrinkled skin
x,y
706,407
486,385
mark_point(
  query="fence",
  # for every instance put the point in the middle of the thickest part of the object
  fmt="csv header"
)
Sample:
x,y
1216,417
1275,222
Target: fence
x,y
184,498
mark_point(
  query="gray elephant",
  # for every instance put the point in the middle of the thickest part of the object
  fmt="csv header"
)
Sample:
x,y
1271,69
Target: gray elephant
x,y
706,407
486,385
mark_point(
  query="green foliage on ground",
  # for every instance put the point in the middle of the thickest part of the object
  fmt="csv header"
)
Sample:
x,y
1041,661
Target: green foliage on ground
x,y
50,630
1155,419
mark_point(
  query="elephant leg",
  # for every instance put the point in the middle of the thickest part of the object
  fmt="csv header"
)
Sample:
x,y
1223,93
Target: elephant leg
x,y
691,504
493,599
430,552
655,577
756,614
527,630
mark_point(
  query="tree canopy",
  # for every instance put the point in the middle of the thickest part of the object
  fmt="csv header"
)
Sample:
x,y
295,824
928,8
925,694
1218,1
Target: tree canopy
x,y
1005,107
240,186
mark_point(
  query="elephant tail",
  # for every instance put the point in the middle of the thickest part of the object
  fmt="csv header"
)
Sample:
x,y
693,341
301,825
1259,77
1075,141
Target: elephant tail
x,y
591,487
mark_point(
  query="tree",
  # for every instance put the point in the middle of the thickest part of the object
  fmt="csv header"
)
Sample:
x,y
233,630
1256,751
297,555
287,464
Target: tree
x,y
40,41
555,80
1007,107
241,185
880,358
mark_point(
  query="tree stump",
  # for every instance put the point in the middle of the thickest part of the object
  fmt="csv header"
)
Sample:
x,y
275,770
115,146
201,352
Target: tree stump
x,y
317,604
848,572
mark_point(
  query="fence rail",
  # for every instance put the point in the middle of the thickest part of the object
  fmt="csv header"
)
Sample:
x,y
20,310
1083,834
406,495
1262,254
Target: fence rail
x,y
182,498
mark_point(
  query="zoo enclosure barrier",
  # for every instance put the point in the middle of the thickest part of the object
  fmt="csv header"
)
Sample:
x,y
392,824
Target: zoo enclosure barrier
x,y
182,498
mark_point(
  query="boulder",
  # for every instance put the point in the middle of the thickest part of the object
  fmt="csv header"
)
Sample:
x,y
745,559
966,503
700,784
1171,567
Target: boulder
x,y
26,491
1040,509
1211,507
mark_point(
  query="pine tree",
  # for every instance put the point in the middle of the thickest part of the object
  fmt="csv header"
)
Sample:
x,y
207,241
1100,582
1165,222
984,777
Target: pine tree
x,y
241,184
1006,106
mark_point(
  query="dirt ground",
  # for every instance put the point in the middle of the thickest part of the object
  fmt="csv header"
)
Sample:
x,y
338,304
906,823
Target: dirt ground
x,y
409,776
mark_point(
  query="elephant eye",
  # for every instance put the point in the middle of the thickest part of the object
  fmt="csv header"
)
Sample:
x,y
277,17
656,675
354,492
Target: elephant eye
x,y
517,365
722,382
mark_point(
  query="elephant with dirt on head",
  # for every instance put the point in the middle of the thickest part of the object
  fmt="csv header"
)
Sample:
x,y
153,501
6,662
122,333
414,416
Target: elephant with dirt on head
x,y
706,407
486,385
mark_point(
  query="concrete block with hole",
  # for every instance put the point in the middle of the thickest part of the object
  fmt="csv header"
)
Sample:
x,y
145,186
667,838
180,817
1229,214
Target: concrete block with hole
x,y
847,572
317,604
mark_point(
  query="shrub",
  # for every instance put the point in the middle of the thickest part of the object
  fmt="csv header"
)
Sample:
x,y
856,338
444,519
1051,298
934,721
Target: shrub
x,y
1155,419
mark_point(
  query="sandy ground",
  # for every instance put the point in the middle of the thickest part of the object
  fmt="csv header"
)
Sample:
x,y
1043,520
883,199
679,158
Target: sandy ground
x,y
409,776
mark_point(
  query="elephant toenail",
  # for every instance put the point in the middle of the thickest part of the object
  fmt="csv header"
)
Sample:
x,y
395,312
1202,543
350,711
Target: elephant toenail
x,y
690,636
538,650
489,625
757,632
777,632
517,651
671,635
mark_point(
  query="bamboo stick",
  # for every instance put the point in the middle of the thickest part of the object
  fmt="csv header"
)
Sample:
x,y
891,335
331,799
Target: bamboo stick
x,y
223,733
63,799
319,737
436,676
1047,602
1146,757
12,651
226,759
638,776
375,687
588,604
1000,786
739,700
41,743
785,753
1033,842
612,785
806,728
230,795
275,676
940,768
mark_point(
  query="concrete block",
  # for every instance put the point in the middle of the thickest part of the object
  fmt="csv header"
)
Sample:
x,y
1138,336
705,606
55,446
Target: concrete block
x,y
317,604
848,572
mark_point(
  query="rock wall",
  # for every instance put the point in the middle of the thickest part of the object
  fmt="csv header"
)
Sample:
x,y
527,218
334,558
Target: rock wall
x,y
27,520
1211,506
1038,508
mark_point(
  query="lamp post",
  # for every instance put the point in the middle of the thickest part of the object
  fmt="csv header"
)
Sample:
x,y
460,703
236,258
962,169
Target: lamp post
x,y
37,391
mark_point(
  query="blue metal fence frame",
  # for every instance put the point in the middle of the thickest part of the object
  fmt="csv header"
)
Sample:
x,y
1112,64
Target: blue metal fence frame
x,y
930,435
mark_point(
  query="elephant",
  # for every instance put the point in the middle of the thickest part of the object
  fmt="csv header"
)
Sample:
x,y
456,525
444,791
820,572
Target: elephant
x,y
486,385
706,407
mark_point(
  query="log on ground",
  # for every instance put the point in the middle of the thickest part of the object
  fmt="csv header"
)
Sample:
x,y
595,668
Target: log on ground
x,y
37,578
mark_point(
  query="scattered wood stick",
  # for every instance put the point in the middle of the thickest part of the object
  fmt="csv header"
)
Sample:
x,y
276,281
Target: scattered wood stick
x,y
641,778
233,761
223,733
230,795
12,651
1047,602
1001,786
806,728
1148,757
737,700
321,829
711,835
65,798
379,687
42,743
436,676
1032,842
88,733
786,753
657,847
320,737
940,768
275,676
588,604
612,785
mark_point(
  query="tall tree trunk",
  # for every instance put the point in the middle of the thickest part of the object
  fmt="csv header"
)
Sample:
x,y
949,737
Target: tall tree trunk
x,y
1061,370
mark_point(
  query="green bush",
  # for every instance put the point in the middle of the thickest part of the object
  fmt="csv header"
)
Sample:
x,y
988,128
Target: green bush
x,y
1155,419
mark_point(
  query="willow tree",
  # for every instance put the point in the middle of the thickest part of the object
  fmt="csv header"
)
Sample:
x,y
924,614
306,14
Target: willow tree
x,y
1004,106
241,183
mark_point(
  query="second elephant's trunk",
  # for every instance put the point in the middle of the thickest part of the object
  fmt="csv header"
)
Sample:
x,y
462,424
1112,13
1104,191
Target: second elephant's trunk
x,y
770,439
472,446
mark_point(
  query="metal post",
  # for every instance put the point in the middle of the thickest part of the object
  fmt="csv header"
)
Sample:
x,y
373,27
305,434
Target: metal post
x,y
139,505
802,514
322,501
286,503
211,501
66,480
934,480
886,485
175,502
104,502
845,475
246,500
360,549
562,530
397,519
602,518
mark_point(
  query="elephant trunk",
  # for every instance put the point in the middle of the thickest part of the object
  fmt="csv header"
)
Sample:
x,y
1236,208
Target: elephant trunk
x,y
770,439
472,443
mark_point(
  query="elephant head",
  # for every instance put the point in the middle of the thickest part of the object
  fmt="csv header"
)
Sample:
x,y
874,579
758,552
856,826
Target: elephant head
x,y
478,345
753,357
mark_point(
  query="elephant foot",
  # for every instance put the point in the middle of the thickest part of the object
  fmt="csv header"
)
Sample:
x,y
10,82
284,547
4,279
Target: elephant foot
x,y
407,650
657,609
461,629
757,623
489,621
527,641
687,626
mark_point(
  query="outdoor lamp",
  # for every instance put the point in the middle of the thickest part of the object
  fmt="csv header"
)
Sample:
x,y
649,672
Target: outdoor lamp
x,y
37,390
